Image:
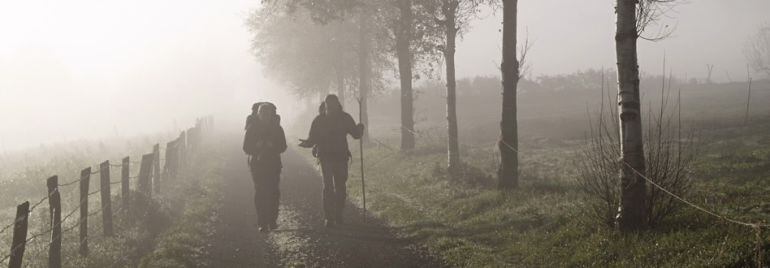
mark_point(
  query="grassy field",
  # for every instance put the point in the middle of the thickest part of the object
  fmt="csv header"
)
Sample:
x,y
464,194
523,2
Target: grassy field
x,y
175,232
543,223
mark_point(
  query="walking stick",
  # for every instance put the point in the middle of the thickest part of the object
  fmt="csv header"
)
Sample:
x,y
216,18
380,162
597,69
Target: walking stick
x,y
361,151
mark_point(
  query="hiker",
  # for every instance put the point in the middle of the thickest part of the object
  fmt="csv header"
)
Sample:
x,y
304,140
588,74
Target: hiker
x,y
264,142
328,133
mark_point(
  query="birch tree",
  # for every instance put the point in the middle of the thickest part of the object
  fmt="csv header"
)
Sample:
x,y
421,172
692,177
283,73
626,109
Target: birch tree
x,y
452,17
632,17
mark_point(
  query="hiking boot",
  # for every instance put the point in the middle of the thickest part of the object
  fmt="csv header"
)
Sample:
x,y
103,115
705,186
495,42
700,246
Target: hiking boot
x,y
264,229
329,223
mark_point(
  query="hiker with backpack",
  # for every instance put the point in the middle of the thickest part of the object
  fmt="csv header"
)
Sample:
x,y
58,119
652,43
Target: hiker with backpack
x,y
328,135
264,143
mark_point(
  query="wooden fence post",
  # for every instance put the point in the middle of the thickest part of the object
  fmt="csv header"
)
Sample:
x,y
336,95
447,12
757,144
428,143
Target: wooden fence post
x,y
54,209
182,149
85,179
124,177
167,167
19,235
144,186
106,197
156,168
192,139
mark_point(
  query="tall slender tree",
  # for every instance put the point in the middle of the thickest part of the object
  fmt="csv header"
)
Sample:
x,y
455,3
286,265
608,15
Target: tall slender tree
x,y
374,50
450,8
364,69
508,172
403,35
340,72
452,17
632,185
632,17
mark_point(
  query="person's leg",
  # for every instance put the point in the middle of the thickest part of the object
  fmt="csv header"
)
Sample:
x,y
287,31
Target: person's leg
x,y
256,198
340,188
259,196
327,171
275,190
256,185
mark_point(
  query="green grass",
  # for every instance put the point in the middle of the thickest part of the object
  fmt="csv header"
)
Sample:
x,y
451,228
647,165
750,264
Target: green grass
x,y
179,224
468,223
184,242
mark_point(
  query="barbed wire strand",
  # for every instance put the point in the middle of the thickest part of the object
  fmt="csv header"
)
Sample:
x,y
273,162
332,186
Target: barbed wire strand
x,y
69,183
17,220
32,208
753,225
30,239
35,236
38,203
509,146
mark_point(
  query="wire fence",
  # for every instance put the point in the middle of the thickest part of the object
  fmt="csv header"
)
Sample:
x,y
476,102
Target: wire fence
x,y
148,180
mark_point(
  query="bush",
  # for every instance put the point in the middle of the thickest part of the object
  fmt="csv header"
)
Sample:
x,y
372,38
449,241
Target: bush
x,y
668,156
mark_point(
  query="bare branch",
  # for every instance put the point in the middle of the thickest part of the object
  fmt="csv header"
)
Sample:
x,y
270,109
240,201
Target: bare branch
x,y
757,50
650,12
524,66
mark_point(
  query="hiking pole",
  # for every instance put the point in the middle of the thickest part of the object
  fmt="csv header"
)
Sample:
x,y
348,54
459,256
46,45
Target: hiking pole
x,y
361,151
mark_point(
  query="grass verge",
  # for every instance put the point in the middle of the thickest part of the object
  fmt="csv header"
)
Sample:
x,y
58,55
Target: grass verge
x,y
184,242
468,223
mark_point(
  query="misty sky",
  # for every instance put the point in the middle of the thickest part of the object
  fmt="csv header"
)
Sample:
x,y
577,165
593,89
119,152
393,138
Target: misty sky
x,y
96,69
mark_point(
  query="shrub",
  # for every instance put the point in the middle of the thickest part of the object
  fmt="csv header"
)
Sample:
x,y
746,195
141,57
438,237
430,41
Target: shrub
x,y
668,156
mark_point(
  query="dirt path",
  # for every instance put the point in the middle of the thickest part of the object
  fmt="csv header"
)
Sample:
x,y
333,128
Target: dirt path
x,y
301,240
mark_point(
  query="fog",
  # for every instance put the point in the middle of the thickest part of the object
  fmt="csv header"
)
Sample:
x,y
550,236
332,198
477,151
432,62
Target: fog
x,y
97,69
85,69
572,35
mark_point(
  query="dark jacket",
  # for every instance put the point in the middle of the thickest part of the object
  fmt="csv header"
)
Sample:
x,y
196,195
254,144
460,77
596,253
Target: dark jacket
x,y
329,134
264,142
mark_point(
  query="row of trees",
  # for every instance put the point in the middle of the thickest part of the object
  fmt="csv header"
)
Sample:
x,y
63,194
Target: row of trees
x,y
317,45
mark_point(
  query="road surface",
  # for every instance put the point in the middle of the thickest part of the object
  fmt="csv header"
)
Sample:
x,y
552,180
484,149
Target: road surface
x,y
301,240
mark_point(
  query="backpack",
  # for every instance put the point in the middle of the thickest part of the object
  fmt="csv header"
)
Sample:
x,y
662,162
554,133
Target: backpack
x,y
250,138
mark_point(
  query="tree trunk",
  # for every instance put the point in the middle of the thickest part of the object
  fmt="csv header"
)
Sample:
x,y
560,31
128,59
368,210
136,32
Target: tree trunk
x,y
453,147
403,40
508,173
632,212
340,80
365,75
